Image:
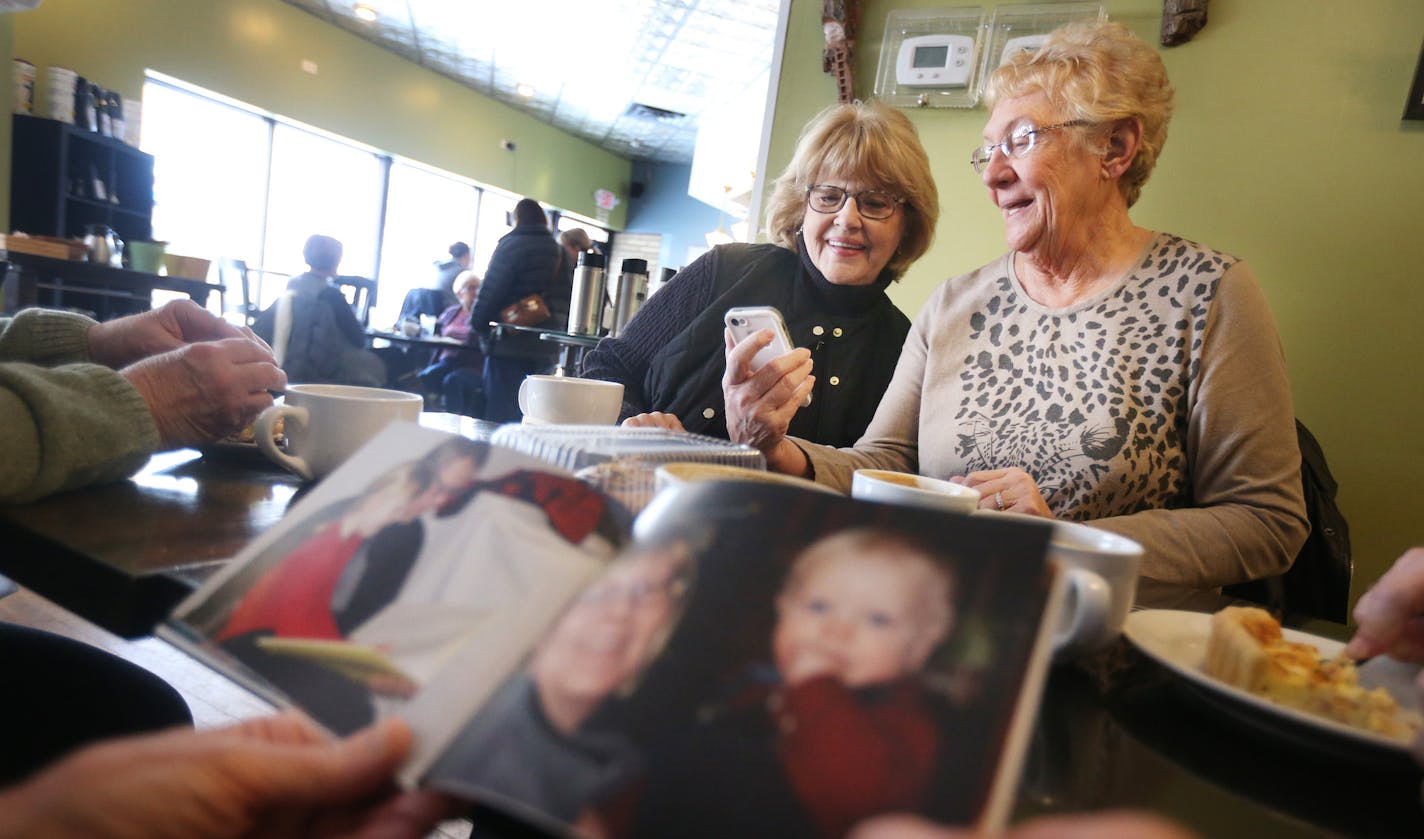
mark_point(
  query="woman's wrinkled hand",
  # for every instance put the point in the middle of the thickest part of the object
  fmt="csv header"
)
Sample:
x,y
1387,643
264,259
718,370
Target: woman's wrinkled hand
x,y
203,392
119,343
654,419
761,403
1009,490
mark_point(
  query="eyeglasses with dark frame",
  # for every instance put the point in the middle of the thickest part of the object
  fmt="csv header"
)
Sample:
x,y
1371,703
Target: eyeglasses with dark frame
x,y
871,203
1018,143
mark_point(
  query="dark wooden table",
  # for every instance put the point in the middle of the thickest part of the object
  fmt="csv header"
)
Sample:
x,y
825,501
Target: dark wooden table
x,y
123,554
430,342
108,292
1116,730
572,346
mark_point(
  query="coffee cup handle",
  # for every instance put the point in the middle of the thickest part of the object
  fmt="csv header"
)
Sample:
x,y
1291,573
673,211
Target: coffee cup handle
x,y
1086,612
523,403
265,442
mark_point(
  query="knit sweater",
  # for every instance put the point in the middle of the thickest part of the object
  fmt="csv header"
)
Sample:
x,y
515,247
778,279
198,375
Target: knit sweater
x,y
67,422
671,359
1158,409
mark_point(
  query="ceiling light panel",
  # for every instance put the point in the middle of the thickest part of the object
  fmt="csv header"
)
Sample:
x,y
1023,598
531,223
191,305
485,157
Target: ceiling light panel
x,y
588,59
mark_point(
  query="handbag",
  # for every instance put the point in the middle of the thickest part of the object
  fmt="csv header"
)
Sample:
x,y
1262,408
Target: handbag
x,y
529,311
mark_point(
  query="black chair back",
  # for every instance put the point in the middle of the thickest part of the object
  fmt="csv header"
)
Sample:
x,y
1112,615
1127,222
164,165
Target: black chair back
x,y
360,293
1318,582
232,273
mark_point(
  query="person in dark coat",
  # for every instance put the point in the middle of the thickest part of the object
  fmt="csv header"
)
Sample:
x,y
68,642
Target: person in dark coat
x,y
856,206
526,261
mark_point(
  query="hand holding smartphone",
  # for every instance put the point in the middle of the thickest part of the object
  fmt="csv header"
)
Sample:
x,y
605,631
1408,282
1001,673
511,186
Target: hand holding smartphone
x,y
744,321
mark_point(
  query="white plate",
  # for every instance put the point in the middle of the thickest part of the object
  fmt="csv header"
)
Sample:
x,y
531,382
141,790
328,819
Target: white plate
x,y
1177,641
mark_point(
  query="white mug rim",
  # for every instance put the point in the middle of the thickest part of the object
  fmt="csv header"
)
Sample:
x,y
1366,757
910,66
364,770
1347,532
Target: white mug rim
x,y
939,485
353,393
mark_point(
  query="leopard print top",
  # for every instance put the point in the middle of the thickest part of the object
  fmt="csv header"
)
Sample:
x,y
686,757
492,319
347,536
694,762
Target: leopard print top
x,y
1092,400
1159,409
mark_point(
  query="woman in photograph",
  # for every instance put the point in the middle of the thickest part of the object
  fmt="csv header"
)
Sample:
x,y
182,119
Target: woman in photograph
x,y
854,209
534,741
1099,371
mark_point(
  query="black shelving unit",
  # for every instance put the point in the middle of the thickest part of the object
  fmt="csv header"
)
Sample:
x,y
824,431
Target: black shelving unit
x,y
64,178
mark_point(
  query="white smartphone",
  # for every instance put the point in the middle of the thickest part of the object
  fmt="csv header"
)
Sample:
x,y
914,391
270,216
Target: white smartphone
x,y
743,321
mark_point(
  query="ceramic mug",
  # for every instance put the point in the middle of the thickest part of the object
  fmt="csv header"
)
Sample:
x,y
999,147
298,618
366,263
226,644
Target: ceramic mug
x,y
1102,570
565,400
326,424
915,490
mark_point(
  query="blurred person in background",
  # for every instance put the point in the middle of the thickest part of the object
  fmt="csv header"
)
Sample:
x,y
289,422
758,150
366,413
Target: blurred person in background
x,y
458,374
526,261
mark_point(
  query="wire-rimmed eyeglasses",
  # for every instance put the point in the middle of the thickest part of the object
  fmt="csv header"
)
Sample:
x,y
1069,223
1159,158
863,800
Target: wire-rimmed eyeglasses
x,y
870,203
1019,143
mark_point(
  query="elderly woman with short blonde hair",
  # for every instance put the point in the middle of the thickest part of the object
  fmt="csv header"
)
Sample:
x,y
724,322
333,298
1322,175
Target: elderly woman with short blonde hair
x,y
854,208
1098,371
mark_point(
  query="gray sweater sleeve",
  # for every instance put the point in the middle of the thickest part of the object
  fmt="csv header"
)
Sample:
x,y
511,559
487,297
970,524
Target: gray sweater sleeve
x,y
68,425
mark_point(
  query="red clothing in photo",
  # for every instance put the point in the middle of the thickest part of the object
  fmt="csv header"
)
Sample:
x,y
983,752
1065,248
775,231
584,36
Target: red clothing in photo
x,y
282,602
852,754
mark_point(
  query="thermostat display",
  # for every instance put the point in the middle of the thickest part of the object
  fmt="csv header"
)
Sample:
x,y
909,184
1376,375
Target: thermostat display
x,y
935,61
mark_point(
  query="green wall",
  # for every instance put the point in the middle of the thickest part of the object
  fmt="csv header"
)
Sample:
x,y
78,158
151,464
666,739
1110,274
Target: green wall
x,y
1287,149
251,50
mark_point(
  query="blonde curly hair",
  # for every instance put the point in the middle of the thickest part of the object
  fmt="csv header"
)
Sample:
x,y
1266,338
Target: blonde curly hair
x,y
1099,72
866,142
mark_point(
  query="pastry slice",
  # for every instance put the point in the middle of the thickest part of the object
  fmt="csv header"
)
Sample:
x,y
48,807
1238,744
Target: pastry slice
x,y
1245,649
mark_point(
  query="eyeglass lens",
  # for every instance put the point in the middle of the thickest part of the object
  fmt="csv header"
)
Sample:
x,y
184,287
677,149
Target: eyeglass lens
x,y
871,203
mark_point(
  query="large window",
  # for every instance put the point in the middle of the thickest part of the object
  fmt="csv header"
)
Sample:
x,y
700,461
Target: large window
x,y
233,182
426,213
210,175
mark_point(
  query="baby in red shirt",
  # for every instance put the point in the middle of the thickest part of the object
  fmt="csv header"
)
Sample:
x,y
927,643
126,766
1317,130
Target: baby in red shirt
x,y
858,616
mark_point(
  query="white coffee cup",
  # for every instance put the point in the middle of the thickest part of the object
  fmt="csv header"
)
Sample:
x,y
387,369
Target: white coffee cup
x,y
326,424
565,400
1101,570
915,490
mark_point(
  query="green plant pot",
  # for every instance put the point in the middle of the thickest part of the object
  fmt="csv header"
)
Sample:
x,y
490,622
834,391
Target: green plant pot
x,y
146,256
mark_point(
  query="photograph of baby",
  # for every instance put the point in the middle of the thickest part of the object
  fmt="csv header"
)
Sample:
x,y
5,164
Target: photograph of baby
x,y
818,661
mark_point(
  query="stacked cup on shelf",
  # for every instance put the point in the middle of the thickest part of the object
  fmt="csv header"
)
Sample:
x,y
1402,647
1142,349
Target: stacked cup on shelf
x,y
61,93
24,86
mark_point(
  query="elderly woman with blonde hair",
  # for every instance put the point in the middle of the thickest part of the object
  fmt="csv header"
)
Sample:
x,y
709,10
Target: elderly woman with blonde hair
x,y
856,206
1098,371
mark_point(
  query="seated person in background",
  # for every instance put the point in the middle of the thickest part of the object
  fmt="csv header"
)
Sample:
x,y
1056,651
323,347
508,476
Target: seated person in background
x,y
439,293
447,272
314,333
458,375
84,402
844,731
854,209
1099,371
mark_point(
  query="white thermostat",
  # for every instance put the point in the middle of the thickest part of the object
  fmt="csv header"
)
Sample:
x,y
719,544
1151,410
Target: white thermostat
x,y
935,61
1023,43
